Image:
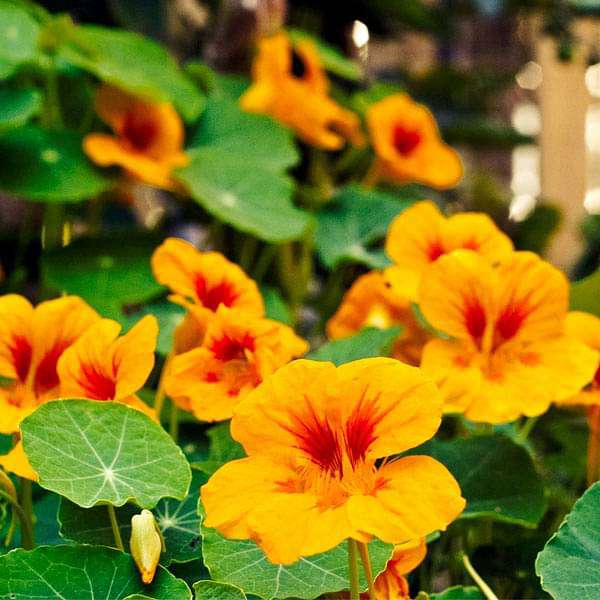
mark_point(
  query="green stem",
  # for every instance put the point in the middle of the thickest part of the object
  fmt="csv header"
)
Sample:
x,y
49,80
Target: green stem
x,y
366,562
112,515
52,116
247,252
526,429
174,422
483,586
159,399
54,234
27,538
353,570
26,501
263,262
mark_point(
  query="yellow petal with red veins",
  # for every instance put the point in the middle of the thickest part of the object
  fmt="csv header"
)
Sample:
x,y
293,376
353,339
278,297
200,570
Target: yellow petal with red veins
x,y
16,314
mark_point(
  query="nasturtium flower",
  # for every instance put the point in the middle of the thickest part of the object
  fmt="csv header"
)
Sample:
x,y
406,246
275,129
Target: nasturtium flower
x,y
101,365
290,85
237,353
508,354
314,435
391,584
202,282
408,146
371,302
147,140
420,235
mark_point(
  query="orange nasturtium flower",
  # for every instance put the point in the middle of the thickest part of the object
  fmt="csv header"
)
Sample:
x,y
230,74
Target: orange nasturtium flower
x,y
313,434
509,354
371,302
102,366
202,282
32,341
408,146
237,353
290,85
147,140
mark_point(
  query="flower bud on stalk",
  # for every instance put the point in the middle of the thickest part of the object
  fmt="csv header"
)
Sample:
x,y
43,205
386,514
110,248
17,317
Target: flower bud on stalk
x,y
145,544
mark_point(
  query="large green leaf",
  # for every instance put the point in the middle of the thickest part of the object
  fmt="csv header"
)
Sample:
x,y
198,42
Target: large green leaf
x,y
223,448
134,63
569,564
585,294
79,573
243,564
103,452
244,194
354,220
259,138
496,476
110,272
18,37
47,166
178,522
213,590
367,343
17,106
276,307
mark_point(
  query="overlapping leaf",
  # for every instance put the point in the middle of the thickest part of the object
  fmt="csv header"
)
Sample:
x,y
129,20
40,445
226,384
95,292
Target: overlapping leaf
x,y
17,106
18,37
103,452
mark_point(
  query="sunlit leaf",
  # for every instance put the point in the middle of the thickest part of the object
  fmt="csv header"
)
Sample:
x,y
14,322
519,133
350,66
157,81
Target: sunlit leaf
x,y
18,37
103,452
17,106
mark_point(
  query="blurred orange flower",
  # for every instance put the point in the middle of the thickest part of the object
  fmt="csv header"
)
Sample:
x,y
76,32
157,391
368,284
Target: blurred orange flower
x,y
290,85
313,434
32,341
100,365
237,353
420,235
147,140
509,355
373,302
408,146
202,282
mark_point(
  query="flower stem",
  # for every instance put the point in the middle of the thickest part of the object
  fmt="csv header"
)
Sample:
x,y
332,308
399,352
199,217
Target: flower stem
x,y
159,399
593,461
26,502
483,586
115,527
174,422
363,549
353,570
526,429
26,527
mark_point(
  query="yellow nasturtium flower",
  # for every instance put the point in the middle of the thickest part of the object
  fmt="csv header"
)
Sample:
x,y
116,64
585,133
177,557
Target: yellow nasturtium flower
x,y
508,354
202,282
314,435
102,366
290,85
237,353
147,141
372,302
408,146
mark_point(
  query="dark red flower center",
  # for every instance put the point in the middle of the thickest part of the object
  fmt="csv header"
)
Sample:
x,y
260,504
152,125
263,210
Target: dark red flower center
x,y
46,376
227,348
21,353
475,319
139,131
212,297
99,386
435,250
405,140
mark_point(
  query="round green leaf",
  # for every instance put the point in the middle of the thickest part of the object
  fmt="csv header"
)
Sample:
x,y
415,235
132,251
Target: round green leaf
x,y
79,573
213,590
223,448
259,138
354,220
18,37
276,307
494,488
244,194
569,564
110,272
17,106
103,452
178,522
367,343
243,564
585,294
47,166
134,63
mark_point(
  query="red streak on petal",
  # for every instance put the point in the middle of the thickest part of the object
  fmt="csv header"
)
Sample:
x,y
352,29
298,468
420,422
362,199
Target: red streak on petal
x,y
21,353
475,319
139,131
98,385
227,348
510,321
223,293
435,250
211,377
46,376
360,434
405,140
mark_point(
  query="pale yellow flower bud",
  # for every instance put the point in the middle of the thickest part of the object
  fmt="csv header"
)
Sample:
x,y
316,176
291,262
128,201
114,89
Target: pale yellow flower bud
x,y
145,544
